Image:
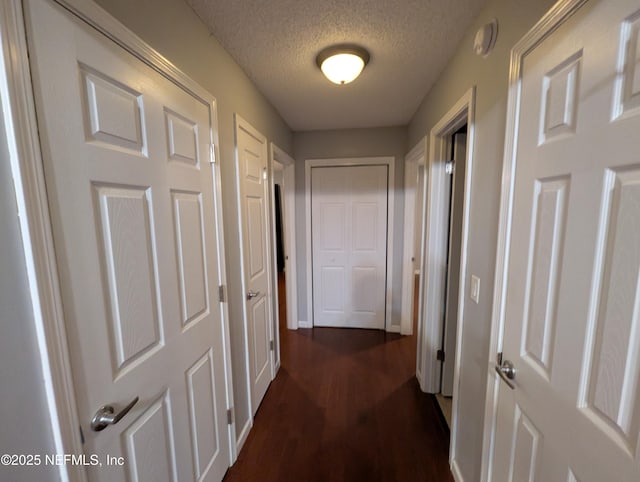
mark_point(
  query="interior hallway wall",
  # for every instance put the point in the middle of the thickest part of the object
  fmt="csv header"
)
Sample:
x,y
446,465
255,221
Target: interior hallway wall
x,y
172,28
328,144
490,76
21,376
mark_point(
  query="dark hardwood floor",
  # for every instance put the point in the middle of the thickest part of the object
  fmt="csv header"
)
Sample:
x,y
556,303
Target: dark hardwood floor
x,y
345,406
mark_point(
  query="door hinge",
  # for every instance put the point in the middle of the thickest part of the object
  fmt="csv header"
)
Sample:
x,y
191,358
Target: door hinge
x,y
221,296
230,416
271,345
499,358
450,167
440,355
81,435
212,153
264,173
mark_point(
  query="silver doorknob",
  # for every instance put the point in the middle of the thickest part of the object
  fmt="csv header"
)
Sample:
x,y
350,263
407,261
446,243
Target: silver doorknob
x,y
252,294
507,372
106,416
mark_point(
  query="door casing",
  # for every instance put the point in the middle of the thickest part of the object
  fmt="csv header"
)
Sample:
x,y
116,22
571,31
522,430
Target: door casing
x,y
413,162
27,168
273,167
352,161
289,222
435,243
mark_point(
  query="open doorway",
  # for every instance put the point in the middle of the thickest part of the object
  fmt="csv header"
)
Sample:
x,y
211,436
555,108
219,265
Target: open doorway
x,y
282,206
415,174
456,181
444,271
281,292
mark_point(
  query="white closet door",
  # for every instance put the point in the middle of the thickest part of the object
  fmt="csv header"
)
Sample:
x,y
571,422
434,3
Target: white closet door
x,y
349,237
130,187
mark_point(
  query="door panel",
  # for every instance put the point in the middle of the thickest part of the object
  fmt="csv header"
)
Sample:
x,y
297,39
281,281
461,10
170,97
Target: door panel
x,y
129,259
189,233
349,235
526,445
613,375
333,289
364,281
260,339
133,217
252,168
255,225
112,112
203,420
572,327
150,450
548,226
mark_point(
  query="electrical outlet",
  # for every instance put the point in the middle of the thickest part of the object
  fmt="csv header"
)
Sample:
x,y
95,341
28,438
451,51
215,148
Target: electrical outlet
x,y
475,288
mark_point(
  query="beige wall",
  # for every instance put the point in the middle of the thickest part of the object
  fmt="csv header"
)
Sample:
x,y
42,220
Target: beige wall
x,y
172,28
490,76
26,428
374,142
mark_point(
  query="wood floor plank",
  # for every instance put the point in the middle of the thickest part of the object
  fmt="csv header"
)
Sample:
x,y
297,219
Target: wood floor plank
x,y
345,407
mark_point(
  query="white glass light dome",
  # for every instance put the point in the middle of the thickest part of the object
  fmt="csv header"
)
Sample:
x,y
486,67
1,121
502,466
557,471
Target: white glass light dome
x,y
342,64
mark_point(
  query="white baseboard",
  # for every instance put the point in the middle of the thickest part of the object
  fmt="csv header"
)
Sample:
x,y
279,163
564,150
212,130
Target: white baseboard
x,y
455,470
243,437
408,329
304,324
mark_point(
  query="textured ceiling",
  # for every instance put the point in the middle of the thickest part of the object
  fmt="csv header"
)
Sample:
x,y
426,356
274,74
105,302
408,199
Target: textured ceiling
x,y
276,42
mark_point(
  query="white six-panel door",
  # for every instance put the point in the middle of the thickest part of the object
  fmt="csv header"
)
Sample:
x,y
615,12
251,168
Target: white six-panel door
x,y
349,239
131,194
253,189
572,319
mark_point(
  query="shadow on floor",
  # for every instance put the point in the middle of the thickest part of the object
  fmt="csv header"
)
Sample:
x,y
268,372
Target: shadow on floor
x,y
345,406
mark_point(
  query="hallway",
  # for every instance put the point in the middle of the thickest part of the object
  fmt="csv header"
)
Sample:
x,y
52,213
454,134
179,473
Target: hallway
x,y
209,241
345,406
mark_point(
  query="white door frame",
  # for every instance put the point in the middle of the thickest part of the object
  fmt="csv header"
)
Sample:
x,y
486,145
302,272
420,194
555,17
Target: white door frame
x,y
289,240
343,162
289,202
539,32
435,245
274,165
28,174
413,160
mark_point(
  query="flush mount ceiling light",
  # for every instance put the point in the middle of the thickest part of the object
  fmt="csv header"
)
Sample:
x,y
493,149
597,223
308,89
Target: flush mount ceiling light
x,y
342,64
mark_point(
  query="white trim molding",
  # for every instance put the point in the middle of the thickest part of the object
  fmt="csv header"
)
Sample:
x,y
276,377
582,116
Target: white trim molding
x,y
304,324
289,201
35,223
558,14
413,160
434,249
434,252
20,117
342,162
